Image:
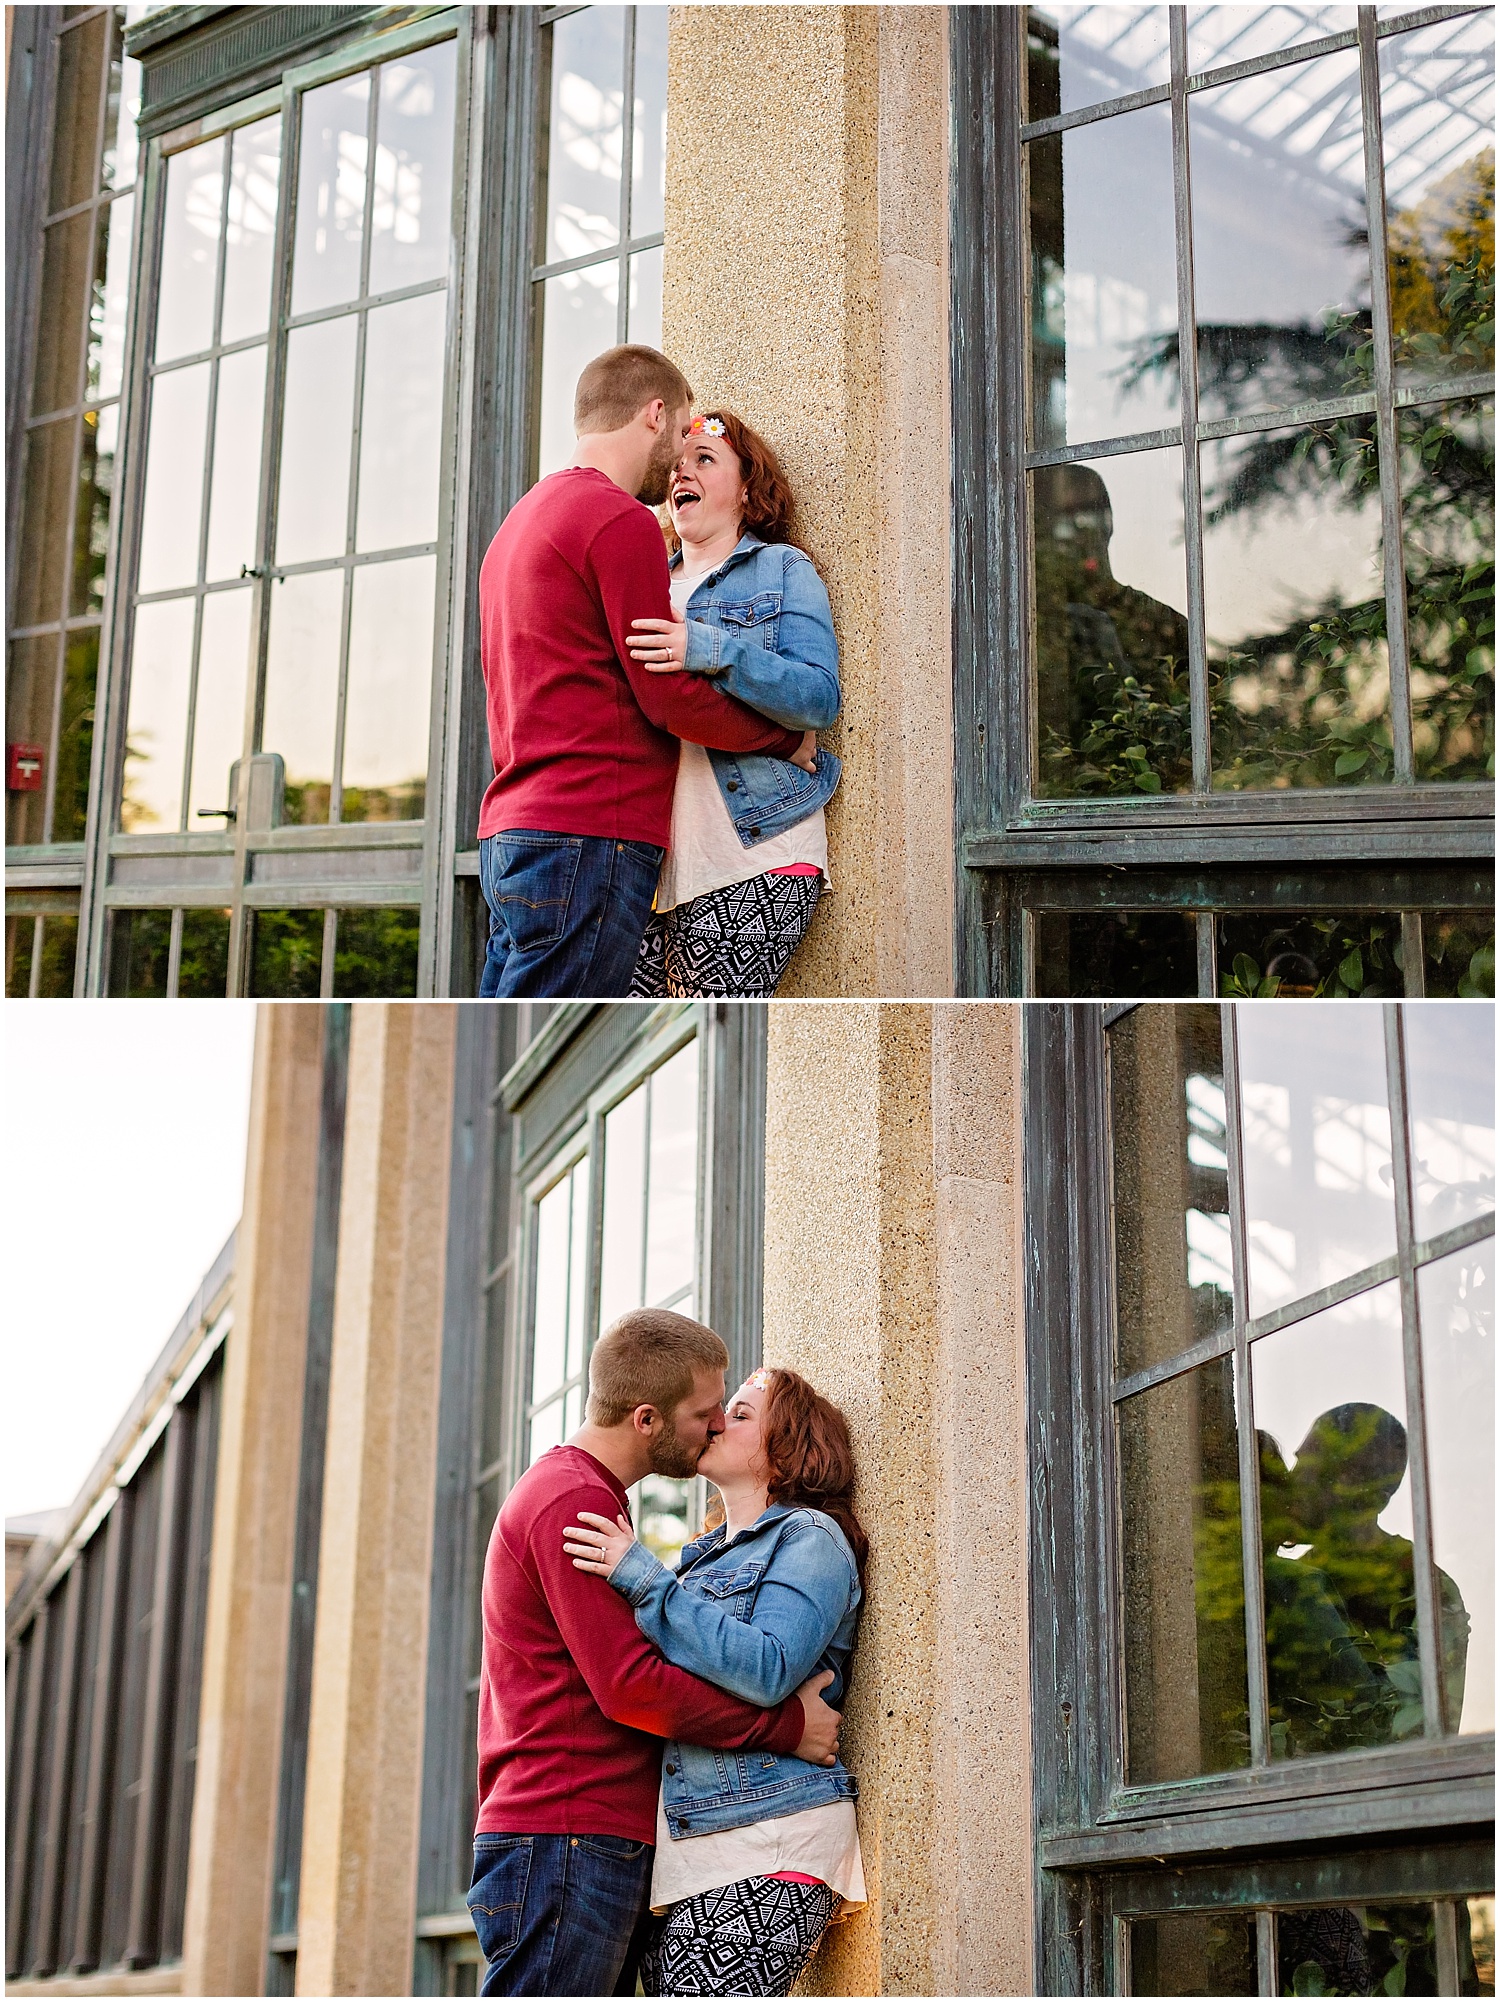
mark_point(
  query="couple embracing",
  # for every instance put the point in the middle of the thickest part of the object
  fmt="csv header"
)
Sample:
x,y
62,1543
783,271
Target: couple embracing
x,y
660,1793
655,822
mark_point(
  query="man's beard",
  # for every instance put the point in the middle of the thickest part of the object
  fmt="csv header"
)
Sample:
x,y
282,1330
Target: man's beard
x,y
670,1455
658,481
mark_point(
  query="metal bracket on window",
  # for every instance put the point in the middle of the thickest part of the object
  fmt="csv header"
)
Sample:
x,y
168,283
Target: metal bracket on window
x,y
251,570
264,794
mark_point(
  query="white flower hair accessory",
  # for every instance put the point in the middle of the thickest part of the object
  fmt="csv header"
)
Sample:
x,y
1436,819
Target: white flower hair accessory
x,y
758,1379
712,427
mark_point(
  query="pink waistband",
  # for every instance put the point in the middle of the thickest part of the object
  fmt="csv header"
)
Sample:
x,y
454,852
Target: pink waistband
x,y
798,869
791,1876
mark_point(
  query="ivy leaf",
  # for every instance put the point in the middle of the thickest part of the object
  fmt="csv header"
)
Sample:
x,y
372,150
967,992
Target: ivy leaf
x,y
1352,971
1350,761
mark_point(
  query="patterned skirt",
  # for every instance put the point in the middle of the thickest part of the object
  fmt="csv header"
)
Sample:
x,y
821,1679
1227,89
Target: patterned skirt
x,y
731,944
750,1938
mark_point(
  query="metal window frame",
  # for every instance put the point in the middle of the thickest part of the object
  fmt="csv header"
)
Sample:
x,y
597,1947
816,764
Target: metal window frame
x,y
1001,829
1107,1850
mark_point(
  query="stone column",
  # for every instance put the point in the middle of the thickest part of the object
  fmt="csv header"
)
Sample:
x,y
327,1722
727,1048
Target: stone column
x,y
806,287
232,1851
357,1903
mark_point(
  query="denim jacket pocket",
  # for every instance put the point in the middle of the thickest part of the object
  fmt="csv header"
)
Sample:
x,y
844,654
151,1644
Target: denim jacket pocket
x,y
734,1590
761,610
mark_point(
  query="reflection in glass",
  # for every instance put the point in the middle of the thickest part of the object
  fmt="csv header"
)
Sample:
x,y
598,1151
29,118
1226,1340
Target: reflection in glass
x,y
30,678
1448,522
47,499
1104,279
161,661
106,361
67,269
1476,1969
1294,605
302,686
1357,1950
411,224
1281,271
219,706
649,145
1114,955
121,141
1437,103
671,1219
579,321
389,686
235,499
1194,1953
1456,1301
645,297
1306,955
190,251
250,234
1342,1656
312,519
96,486
621,1278
53,966
375,953
1219,35
1450,1072
1316,1149
401,437
80,67
586,133
75,735
1183,1617
171,513
1458,955
1111,628
549,1337
1174,1276
286,955
139,949
331,193
1085,55
203,963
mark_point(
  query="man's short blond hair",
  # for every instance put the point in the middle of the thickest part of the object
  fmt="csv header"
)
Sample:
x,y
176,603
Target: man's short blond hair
x,y
649,1356
617,385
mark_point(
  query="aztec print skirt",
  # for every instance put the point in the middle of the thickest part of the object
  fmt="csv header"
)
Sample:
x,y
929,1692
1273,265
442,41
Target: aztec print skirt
x,y
750,1938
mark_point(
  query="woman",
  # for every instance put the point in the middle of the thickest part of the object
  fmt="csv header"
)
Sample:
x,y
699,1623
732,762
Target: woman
x,y
748,851
752,1855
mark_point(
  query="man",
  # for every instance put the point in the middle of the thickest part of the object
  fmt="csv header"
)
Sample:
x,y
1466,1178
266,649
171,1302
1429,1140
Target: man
x,y
584,740
574,1701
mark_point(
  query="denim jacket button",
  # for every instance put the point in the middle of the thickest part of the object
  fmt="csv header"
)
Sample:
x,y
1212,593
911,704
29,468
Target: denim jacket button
x,y
671,1769
731,785
753,830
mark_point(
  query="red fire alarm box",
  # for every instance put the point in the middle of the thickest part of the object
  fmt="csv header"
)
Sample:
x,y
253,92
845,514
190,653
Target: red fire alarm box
x,y
23,767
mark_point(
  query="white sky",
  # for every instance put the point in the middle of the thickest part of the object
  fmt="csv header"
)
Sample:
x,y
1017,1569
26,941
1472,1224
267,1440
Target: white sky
x,y
124,1167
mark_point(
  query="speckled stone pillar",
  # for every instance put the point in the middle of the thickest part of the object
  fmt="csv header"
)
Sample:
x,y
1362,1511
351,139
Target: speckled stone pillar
x,y
892,1280
806,287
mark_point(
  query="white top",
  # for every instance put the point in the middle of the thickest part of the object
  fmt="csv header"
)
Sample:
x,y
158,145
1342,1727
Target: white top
x,y
821,1842
703,852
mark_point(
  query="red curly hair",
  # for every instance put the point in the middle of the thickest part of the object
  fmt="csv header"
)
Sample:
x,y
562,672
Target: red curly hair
x,y
769,507
806,1444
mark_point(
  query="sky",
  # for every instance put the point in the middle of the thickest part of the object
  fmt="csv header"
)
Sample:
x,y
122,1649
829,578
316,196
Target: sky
x,y
123,1172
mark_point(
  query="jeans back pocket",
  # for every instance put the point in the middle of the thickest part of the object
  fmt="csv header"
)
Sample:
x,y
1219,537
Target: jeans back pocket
x,y
497,1898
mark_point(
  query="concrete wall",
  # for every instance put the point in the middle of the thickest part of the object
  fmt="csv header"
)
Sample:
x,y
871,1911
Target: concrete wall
x,y
893,1280
806,287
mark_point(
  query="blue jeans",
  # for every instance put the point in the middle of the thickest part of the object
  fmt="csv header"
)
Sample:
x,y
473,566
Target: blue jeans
x,y
560,1914
567,912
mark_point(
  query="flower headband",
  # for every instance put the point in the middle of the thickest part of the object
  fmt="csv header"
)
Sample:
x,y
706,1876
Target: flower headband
x,y
758,1379
713,427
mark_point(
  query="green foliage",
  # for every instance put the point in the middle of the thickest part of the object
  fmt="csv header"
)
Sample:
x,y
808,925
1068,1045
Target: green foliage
x,y
1325,958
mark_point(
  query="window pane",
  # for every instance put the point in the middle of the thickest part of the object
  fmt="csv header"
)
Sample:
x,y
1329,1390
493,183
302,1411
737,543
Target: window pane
x,y
546,1431
47,497
302,687
375,952
1218,36
156,733
171,513
1115,955
401,437
254,178
30,689
203,968
75,125
578,322
1294,605
671,1222
390,682
120,139
139,948
1476,1966
550,1315
1316,1149
1357,1950
1450,1074
331,193
1111,628
645,298
1437,107
1174,1277
1085,55
1448,509
67,273
313,517
1280,275
578,1271
75,736
585,132
1104,280
106,358
96,483
235,498
1290,955
286,954
20,941
190,251
1342,1661
620,1278
411,228
1184,1598
1195,1953
59,956
1458,949
649,145
219,713
1456,1298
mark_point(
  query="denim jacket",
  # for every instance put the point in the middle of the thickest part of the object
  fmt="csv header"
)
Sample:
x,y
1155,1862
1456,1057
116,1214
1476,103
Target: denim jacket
x,y
756,1615
761,627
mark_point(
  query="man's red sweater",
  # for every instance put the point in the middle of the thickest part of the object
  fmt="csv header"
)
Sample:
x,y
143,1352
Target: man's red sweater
x,y
573,1699
584,741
